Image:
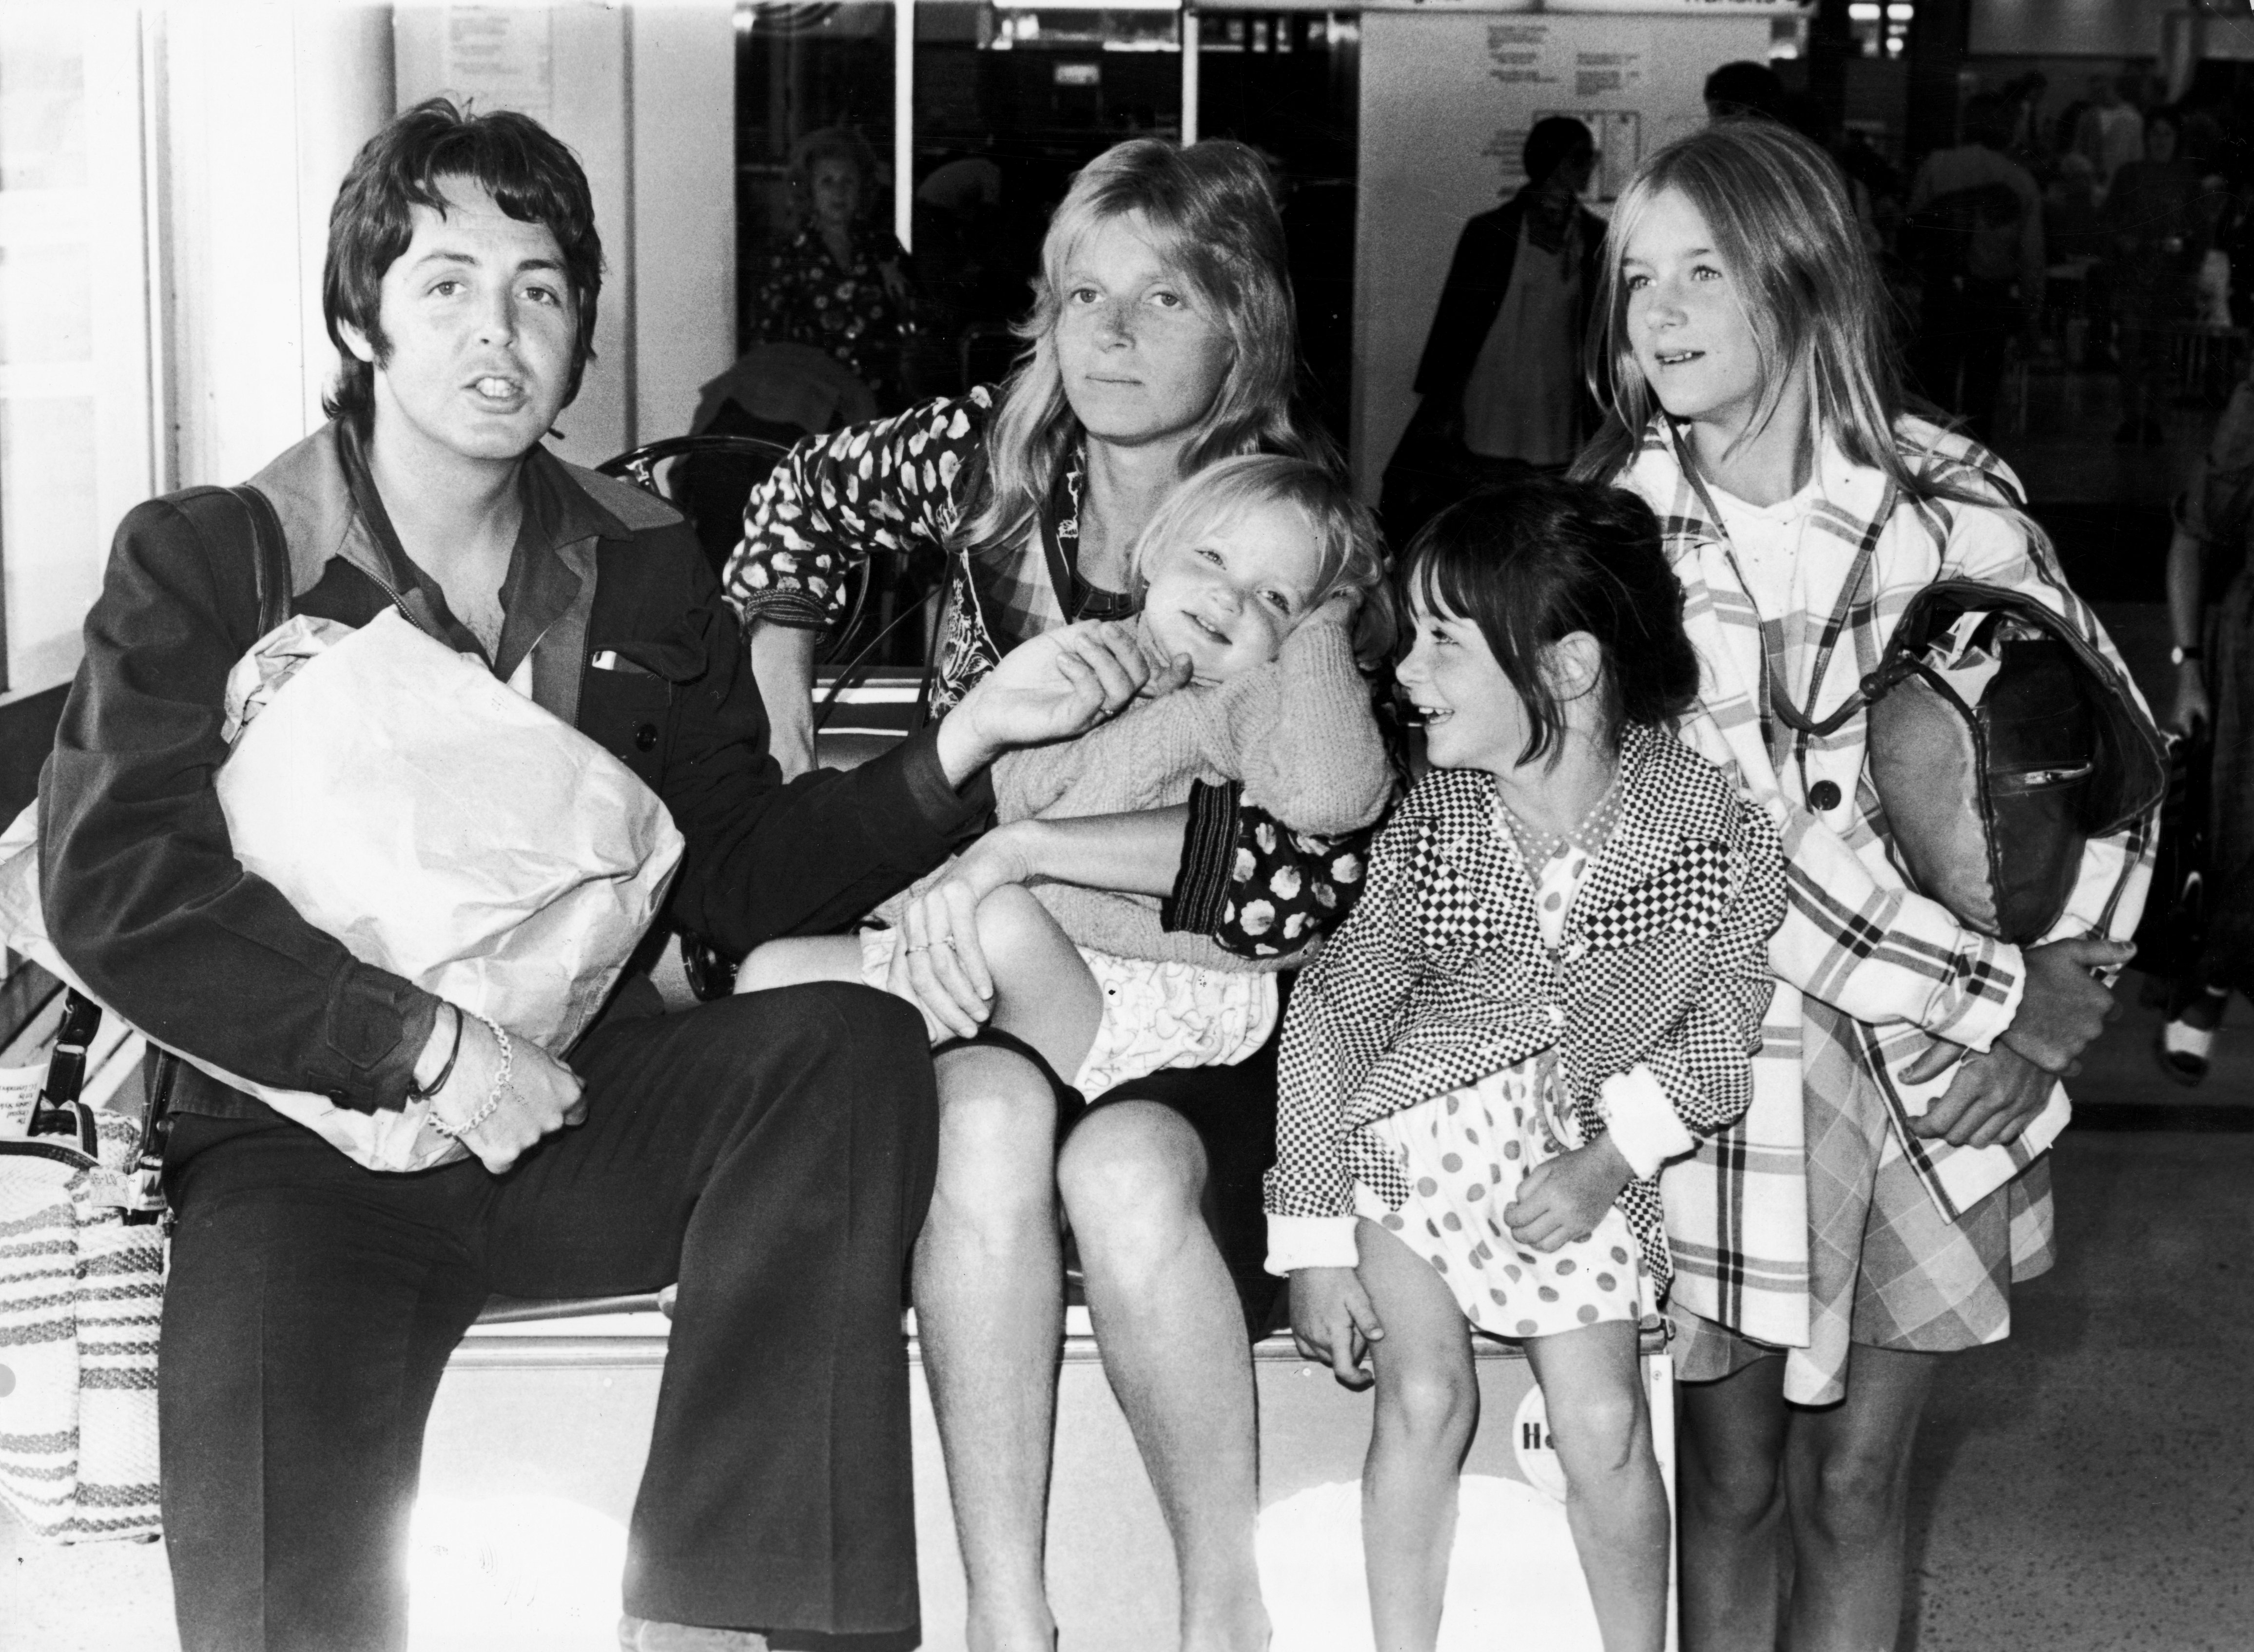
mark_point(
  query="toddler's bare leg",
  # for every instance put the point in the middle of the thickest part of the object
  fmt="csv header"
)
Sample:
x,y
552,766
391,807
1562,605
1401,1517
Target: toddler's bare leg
x,y
1043,993
793,963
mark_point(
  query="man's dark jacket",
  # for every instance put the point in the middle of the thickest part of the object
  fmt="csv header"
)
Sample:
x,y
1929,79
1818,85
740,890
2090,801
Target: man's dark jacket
x,y
613,621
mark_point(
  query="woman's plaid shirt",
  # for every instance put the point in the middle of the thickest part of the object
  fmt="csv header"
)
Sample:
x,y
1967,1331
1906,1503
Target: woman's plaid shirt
x,y
1898,968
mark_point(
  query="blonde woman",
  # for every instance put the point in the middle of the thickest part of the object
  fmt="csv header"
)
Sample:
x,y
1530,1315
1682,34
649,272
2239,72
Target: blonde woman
x,y
1831,1247
1161,340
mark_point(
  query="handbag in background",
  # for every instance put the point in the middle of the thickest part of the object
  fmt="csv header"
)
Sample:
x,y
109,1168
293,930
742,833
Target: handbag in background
x,y
81,1298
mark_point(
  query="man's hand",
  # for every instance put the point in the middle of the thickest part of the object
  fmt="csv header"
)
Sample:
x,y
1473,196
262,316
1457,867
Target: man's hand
x,y
1562,1200
1052,686
939,962
1332,1320
2064,1006
540,1095
1993,1098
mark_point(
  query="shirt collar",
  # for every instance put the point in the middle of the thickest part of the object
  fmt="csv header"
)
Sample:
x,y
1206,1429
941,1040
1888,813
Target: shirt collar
x,y
540,585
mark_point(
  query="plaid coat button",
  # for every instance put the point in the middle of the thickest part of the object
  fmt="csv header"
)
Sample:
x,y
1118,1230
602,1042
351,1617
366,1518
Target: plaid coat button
x,y
1823,797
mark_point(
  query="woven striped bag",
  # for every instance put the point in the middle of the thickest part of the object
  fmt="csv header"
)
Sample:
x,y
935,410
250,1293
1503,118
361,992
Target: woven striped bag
x,y
81,1293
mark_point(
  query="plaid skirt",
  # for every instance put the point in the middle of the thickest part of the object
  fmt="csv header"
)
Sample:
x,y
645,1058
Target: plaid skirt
x,y
1887,1269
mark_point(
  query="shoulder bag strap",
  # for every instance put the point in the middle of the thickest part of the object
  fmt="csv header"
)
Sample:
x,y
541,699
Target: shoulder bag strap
x,y
270,576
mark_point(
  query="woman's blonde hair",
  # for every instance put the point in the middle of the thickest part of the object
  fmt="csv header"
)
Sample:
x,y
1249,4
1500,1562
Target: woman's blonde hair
x,y
1210,212
1781,219
1349,550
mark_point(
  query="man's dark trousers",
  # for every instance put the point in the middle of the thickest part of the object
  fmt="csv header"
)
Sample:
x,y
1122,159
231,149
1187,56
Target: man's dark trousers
x,y
773,1153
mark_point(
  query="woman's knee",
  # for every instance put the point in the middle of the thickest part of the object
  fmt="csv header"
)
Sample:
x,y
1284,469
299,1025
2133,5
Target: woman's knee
x,y
1132,1175
996,1133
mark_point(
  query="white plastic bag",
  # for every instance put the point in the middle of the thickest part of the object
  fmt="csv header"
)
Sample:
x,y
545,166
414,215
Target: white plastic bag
x,y
438,824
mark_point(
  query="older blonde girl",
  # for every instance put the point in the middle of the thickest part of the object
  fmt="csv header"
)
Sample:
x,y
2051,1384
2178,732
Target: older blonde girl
x,y
1887,1186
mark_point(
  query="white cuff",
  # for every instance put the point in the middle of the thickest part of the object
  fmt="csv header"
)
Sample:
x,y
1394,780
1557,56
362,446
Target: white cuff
x,y
1311,1242
1643,1125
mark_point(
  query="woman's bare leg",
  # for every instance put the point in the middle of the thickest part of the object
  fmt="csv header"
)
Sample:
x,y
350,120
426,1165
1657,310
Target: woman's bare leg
x,y
1172,1337
1729,1476
1427,1409
1615,1501
1847,1468
989,1312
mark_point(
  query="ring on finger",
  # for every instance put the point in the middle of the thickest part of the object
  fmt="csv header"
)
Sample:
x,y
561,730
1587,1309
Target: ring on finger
x,y
917,947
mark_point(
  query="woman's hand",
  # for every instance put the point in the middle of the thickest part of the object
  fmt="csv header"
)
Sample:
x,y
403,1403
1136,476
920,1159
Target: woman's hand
x,y
539,1098
938,963
1993,1099
2192,710
1333,1321
1562,1200
1053,687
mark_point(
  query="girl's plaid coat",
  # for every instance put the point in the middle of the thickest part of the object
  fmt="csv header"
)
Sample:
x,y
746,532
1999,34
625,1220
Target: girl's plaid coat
x,y
1440,977
1868,972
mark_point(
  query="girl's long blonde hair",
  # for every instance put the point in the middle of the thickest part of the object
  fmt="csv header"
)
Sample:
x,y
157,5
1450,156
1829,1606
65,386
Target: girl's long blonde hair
x,y
1781,219
1211,213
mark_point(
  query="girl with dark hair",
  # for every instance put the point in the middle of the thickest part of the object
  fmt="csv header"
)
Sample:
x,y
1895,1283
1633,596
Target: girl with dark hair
x,y
1551,986
1887,1186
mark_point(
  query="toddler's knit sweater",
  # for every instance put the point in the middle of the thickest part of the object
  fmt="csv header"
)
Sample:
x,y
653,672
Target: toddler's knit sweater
x,y
1297,733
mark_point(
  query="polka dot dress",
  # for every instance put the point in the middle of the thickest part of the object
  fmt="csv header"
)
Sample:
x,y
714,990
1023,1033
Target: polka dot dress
x,y
1463,1155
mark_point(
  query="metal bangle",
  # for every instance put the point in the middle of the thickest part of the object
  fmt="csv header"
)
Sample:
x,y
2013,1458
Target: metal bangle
x,y
493,1099
445,1072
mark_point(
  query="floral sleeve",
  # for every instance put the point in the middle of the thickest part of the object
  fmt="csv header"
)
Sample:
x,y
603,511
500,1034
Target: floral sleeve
x,y
887,486
1257,887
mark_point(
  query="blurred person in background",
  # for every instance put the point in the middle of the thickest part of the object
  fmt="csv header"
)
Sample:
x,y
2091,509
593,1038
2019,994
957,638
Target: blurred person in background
x,y
2108,130
1501,374
2156,235
1975,232
2211,621
841,282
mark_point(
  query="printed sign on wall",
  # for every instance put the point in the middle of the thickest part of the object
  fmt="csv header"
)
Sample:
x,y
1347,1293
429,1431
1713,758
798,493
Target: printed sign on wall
x,y
1447,99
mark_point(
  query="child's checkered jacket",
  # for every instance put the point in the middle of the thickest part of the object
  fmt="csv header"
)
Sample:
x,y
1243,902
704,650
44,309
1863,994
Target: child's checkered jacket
x,y
1441,977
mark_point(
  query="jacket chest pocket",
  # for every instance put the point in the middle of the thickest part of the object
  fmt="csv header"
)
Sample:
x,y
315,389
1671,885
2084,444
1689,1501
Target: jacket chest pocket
x,y
1469,925
1686,896
628,712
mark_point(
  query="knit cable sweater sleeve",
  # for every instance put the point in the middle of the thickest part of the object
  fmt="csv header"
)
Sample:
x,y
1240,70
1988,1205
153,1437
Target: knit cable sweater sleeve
x,y
1299,734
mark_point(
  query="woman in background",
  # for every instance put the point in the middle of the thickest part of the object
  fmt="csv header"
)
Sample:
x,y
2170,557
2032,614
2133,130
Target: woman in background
x,y
841,282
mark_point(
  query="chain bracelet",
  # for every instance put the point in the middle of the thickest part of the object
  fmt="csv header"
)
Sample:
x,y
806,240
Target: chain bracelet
x,y
494,1098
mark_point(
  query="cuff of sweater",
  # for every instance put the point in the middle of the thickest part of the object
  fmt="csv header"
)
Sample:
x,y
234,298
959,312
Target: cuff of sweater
x,y
1311,1242
1641,1123
1200,888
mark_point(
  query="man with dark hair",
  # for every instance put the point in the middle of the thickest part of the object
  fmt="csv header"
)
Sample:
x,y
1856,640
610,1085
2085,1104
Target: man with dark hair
x,y
1745,91
773,1152
1975,236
